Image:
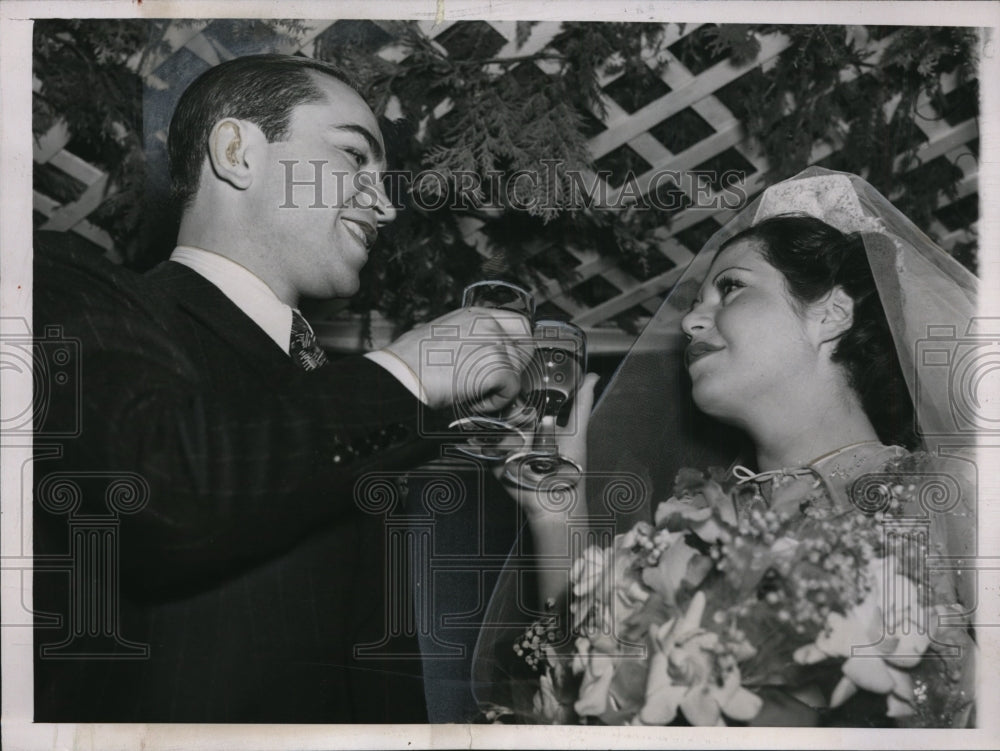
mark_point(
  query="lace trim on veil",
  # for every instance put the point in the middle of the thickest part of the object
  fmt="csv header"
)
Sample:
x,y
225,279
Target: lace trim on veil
x,y
830,198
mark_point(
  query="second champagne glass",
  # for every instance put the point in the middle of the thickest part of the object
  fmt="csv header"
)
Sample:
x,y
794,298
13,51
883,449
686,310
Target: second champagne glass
x,y
549,383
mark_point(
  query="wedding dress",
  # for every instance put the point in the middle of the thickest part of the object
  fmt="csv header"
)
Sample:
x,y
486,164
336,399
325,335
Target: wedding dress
x,y
645,427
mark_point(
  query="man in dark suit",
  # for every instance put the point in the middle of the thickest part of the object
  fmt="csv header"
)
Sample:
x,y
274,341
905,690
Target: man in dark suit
x,y
201,556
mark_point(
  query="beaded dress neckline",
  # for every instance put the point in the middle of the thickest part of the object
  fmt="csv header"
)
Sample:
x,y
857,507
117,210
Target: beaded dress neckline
x,y
836,471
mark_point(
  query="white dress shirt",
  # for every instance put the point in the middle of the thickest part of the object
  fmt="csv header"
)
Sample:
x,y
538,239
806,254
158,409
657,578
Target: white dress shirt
x,y
250,293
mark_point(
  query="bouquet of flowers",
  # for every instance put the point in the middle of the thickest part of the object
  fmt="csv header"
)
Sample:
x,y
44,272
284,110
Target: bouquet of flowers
x,y
791,611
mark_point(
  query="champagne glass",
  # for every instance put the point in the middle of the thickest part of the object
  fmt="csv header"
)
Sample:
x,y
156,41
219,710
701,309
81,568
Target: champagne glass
x,y
496,436
549,384
499,295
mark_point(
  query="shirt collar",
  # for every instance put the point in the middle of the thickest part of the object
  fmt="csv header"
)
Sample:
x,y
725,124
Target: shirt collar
x,y
246,290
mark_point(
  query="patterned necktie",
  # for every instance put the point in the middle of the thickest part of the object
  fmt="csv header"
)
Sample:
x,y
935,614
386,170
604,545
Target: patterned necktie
x,y
302,346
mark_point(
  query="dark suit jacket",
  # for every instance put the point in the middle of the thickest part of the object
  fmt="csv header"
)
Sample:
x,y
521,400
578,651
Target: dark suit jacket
x,y
249,570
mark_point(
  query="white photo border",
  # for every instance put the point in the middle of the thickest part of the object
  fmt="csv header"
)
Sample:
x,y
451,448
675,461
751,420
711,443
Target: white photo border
x,y
16,644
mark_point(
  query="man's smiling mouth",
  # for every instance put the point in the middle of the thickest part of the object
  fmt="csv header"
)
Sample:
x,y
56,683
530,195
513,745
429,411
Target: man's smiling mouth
x,y
363,231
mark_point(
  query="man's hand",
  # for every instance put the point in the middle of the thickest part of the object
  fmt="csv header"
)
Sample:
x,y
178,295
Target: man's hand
x,y
472,356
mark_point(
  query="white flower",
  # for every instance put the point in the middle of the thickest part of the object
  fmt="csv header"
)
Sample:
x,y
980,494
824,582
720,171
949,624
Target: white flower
x,y
881,638
640,531
545,703
588,571
598,668
687,673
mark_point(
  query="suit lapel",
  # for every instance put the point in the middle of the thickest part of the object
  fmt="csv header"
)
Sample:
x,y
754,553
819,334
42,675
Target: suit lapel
x,y
211,309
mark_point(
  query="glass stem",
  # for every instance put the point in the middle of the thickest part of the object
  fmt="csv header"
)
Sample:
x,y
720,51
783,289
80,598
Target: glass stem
x,y
545,435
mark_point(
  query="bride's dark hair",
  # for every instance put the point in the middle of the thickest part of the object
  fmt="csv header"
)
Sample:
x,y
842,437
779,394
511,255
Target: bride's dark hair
x,y
814,258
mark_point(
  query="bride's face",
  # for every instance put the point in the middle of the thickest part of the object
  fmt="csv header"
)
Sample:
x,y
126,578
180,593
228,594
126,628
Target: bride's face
x,y
750,345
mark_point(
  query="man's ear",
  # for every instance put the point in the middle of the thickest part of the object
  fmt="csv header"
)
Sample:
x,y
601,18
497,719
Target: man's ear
x,y
835,314
227,151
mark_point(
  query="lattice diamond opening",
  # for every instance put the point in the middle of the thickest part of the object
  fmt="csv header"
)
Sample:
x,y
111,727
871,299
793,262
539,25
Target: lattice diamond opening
x,y
363,35
635,88
552,260
549,309
669,197
696,51
728,162
528,77
237,37
592,125
646,266
694,237
621,163
961,213
682,131
56,184
595,290
961,103
471,39
739,91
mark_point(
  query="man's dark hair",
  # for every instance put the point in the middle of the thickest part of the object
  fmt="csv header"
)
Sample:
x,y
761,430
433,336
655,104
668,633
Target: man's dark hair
x,y
263,89
814,258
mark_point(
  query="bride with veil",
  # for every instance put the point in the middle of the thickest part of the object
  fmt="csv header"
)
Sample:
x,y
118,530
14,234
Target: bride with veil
x,y
779,493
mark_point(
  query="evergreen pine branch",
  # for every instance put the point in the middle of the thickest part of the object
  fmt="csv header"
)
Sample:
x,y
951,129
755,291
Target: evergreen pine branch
x,y
507,115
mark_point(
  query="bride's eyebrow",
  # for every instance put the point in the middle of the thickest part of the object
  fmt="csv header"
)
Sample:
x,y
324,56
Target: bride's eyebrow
x,y
729,268
715,278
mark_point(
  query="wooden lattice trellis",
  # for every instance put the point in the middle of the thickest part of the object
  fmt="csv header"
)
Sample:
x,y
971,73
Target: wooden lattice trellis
x,y
625,135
